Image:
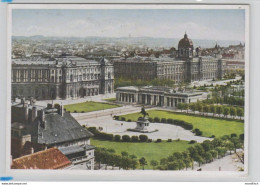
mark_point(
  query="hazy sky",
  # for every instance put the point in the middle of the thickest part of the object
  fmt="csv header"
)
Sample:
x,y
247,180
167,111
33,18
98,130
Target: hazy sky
x,y
167,23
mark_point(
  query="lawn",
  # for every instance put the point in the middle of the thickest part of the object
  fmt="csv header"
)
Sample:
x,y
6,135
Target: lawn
x,y
110,99
208,126
89,106
150,151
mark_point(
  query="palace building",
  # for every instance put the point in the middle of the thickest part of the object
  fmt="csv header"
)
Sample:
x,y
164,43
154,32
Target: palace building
x,y
188,65
66,77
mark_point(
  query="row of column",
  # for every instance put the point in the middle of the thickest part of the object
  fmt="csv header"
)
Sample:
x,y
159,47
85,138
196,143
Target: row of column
x,y
126,97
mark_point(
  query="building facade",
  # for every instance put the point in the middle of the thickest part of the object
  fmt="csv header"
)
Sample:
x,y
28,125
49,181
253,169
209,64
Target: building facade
x,y
66,77
187,66
155,96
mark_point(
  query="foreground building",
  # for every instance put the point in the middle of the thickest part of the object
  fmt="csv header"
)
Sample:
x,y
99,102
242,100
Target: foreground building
x,y
188,66
51,127
66,77
156,96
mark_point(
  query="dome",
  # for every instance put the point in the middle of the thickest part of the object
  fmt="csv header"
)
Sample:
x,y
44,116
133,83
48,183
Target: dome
x,y
185,42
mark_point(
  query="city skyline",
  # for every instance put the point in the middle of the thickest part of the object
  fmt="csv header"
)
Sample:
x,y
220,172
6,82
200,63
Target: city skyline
x,y
158,23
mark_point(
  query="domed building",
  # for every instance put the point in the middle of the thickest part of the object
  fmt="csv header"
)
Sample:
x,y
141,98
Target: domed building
x,y
185,48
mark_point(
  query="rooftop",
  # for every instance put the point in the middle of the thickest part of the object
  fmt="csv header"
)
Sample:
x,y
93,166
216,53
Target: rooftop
x,y
47,159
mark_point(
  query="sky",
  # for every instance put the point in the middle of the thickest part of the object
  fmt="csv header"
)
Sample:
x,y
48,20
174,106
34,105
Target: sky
x,y
213,24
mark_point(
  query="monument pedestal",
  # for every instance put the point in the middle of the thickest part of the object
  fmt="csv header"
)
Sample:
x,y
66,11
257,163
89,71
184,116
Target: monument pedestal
x,y
142,125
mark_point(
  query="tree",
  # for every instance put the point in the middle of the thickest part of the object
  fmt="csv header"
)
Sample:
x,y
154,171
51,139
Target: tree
x,y
233,111
186,106
208,157
180,106
154,163
198,159
199,107
173,166
219,110
193,107
213,109
214,153
240,112
236,142
230,146
142,162
226,111
206,145
188,162
205,109
178,155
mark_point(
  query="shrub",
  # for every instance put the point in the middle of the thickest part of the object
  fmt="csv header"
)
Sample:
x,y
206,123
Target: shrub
x,y
158,140
57,106
156,119
197,132
143,138
68,111
233,135
64,110
134,139
192,142
105,136
213,136
163,120
169,140
129,120
111,150
75,111
150,119
92,130
178,139
126,138
169,120
117,137
83,111
116,117
122,118
149,140
241,137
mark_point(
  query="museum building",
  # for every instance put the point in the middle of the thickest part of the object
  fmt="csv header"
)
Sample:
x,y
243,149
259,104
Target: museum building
x,y
188,65
66,77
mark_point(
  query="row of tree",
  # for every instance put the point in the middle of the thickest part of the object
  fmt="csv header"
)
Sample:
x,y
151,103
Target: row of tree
x,y
203,108
230,100
108,157
201,153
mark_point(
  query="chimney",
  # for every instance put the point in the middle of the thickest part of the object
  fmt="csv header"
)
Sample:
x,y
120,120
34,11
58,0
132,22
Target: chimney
x,y
61,111
26,111
34,114
32,102
31,150
23,101
42,115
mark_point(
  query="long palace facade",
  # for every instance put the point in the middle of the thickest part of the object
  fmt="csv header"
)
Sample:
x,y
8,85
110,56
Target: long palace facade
x,y
187,66
66,77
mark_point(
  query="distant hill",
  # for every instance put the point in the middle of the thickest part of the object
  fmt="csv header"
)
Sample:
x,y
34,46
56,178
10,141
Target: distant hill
x,y
148,41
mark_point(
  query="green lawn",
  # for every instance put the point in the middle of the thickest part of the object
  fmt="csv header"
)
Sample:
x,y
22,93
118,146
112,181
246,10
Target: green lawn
x,y
150,151
89,106
209,126
110,99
